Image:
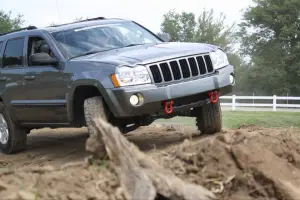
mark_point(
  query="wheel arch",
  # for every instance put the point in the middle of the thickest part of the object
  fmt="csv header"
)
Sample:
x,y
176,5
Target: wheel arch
x,y
75,99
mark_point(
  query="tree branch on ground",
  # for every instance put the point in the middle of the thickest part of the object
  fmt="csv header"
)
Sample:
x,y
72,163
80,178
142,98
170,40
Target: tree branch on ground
x,y
140,176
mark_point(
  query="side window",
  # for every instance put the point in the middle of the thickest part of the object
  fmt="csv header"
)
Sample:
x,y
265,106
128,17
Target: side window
x,y
37,45
13,53
1,43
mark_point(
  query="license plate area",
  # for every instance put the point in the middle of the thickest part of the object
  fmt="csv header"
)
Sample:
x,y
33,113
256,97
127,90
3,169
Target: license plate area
x,y
186,100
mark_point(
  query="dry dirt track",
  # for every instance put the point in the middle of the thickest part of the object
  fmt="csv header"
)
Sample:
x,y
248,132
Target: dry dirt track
x,y
60,146
247,163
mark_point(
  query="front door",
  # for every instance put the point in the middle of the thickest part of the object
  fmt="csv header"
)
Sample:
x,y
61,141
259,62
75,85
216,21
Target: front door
x,y
46,87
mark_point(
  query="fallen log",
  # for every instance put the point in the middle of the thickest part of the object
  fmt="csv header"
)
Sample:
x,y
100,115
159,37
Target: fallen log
x,y
140,176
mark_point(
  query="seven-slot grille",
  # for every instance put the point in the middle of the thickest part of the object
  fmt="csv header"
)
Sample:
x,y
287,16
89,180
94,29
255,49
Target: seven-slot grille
x,y
181,68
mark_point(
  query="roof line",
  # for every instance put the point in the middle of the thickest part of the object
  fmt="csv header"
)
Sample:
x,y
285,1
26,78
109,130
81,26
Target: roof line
x,y
17,30
85,20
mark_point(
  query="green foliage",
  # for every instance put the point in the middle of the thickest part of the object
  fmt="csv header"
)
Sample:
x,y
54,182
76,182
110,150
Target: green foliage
x,y
185,27
171,24
214,31
8,23
270,35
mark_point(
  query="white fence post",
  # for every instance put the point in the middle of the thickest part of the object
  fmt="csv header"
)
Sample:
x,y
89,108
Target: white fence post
x,y
274,102
233,102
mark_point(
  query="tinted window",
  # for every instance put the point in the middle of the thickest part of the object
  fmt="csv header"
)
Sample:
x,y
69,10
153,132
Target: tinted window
x,y
1,44
13,53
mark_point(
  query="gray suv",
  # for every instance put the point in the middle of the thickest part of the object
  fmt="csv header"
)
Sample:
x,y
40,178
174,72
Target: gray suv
x,y
64,75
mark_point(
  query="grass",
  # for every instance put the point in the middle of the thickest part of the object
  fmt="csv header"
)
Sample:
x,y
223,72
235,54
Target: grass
x,y
234,119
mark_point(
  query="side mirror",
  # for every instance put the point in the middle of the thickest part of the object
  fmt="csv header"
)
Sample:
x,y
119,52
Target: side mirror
x,y
165,37
42,59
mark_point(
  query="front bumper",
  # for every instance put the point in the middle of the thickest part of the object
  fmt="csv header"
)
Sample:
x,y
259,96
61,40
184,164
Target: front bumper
x,y
189,94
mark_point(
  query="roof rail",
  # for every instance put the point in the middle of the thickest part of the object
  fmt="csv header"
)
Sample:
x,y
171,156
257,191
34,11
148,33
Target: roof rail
x,y
92,19
85,20
21,29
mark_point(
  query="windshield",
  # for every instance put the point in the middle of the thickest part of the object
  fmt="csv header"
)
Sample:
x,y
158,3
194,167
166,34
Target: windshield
x,y
86,40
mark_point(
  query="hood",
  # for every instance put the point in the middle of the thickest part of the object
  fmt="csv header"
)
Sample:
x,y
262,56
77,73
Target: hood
x,y
148,53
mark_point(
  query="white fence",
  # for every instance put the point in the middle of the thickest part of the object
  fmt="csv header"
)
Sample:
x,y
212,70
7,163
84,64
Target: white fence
x,y
273,104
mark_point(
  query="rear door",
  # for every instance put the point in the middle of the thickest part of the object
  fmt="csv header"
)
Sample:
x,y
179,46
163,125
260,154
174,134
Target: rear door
x,y
1,55
12,76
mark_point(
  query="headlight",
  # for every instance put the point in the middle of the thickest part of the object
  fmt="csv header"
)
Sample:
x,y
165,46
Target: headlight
x,y
125,76
219,59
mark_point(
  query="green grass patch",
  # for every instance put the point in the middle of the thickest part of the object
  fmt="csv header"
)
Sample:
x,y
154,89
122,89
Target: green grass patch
x,y
234,119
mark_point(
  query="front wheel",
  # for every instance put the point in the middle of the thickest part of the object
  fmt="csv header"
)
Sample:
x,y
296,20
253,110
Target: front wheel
x,y
13,138
95,108
209,118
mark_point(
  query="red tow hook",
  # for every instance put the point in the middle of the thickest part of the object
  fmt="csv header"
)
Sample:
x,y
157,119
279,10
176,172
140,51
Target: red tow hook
x,y
214,96
169,106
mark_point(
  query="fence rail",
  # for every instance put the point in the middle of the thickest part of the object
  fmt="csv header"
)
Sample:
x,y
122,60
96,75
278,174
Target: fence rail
x,y
273,104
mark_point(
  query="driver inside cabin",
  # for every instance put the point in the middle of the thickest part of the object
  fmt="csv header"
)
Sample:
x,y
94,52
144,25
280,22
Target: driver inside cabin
x,y
38,45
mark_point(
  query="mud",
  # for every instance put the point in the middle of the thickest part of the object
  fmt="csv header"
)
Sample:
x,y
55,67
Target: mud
x,y
246,163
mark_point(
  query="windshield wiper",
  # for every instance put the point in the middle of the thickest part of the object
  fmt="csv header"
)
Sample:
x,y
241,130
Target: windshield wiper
x,y
92,52
89,53
131,45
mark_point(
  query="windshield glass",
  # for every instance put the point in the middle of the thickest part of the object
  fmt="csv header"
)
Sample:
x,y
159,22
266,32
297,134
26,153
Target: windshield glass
x,y
82,41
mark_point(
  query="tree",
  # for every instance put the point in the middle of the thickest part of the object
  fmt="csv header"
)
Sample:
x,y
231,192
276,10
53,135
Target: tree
x,y
183,27
214,31
270,36
8,23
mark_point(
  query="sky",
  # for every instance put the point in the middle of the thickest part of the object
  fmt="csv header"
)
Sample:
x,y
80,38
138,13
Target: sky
x,y
42,13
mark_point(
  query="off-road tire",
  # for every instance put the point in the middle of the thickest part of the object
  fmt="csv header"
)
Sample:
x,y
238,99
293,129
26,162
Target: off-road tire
x,y
209,118
17,138
94,108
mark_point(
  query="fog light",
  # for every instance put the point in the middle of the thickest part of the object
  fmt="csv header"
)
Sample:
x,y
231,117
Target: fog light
x,y
231,78
134,100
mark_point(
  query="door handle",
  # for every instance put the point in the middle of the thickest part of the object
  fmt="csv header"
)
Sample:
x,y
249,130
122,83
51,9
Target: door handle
x,y
29,78
3,78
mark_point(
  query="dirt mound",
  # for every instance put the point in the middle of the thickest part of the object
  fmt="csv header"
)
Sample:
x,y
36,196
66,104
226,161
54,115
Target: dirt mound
x,y
247,163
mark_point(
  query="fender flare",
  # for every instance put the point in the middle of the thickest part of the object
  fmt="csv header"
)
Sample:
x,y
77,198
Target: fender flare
x,y
70,95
